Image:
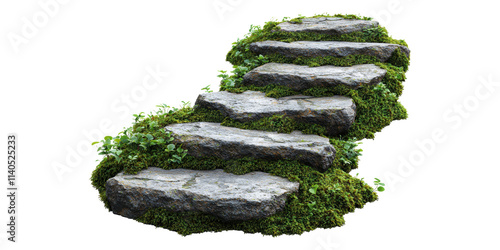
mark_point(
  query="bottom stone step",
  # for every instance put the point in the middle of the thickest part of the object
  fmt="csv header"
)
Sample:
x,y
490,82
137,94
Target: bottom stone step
x,y
228,196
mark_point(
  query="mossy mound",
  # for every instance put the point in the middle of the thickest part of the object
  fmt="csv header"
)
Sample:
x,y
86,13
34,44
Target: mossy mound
x,y
323,198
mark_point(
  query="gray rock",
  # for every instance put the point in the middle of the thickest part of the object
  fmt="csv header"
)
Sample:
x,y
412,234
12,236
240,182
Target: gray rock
x,y
336,113
328,25
204,139
301,77
327,48
228,196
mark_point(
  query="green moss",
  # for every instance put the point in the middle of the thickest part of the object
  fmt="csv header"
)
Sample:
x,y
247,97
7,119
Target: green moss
x,y
325,60
398,58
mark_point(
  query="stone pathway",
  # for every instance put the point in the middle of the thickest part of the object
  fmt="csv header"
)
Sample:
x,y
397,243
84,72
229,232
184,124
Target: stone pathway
x,y
257,194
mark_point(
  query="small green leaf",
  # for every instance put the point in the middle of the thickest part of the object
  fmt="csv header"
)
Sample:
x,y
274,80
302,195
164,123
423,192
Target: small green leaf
x,y
311,205
171,147
313,189
380,189
94,143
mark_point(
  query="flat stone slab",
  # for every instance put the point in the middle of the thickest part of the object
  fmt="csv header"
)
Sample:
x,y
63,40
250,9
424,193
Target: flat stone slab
x,y
206,139
301,77
336,113
328,25
382,51
228,196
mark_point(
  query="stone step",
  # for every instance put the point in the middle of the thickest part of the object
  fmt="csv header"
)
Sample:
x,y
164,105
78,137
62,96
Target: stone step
x,y
206,139
382,51
328,25
301,77
228,196
335,113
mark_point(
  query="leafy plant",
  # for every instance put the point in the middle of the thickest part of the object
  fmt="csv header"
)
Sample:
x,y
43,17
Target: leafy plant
x,y
350,152
379,186
108,147
177,154
313,189
207,89
138,143
234,80
138,117
335,188
381,88
163,109
311,205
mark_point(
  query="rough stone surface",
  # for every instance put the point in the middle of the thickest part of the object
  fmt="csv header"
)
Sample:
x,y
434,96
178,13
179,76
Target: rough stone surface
x,y
300,77
228,196
327,48
336,113
205,139
328,25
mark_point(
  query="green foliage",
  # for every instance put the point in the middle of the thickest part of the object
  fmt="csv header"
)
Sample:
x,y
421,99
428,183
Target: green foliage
x,y
379,186
350,152
132,143
313,189
239,71
207,88
347,154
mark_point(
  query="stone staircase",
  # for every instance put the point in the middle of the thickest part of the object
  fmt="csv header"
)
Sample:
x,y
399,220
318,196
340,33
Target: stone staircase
x,y
258,194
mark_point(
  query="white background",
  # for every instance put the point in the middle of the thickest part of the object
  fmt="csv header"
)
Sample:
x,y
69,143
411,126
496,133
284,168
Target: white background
x,y
74,72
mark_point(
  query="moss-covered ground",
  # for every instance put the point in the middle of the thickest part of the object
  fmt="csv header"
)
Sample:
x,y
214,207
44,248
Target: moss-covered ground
x,y
323,198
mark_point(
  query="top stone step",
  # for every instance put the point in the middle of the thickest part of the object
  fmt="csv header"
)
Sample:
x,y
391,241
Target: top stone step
x,y
328,25
382,51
